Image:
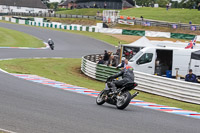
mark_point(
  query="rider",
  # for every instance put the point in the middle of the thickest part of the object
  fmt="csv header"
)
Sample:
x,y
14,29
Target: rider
x,y
51,43
127,77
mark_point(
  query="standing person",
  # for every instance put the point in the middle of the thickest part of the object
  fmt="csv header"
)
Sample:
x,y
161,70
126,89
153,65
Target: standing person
x,y
51,44
105,5
112,61
142,18
106,57
167,7
199,7
191,77
124,63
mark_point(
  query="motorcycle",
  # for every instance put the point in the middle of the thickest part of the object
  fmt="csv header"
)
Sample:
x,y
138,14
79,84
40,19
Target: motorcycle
x,y
52,47
120,99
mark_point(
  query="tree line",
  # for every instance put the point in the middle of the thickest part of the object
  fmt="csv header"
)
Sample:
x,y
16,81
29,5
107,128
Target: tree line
x,y
175,4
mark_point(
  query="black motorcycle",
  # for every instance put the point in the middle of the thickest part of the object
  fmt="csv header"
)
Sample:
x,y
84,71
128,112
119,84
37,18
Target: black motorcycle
x,y
51,46
121,98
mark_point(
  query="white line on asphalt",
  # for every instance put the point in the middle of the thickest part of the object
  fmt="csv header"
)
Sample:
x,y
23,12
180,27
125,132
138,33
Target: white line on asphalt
x,y
3,130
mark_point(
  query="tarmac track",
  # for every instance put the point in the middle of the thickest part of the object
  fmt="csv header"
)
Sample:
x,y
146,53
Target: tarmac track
x,y
27,107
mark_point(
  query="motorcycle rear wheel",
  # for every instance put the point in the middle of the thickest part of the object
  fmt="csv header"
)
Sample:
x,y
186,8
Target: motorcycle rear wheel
x,y
124,102
100,100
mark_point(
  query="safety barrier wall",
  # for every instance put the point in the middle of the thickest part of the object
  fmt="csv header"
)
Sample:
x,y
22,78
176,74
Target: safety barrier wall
x,y
100,29
135,21
52,15
171,88
148,22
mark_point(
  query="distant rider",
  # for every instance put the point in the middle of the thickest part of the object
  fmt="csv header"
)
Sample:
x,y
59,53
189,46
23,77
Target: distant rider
x,y
127,77
51,44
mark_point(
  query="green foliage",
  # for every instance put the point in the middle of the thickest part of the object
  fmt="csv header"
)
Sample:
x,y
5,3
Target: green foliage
x,y
53,5
162,3
61,9
147,3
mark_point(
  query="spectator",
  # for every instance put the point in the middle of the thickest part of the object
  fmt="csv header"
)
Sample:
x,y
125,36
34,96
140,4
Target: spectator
x,y
105,5
199,7
122,64
101,61
142,18
125,63
167,7
106,57
98,12
112,61
109,54
198,80
191,77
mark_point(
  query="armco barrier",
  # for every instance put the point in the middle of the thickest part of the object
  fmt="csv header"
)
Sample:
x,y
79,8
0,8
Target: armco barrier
x,y
171,88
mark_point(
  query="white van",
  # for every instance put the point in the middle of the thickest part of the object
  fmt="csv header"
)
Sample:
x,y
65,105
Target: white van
x,y
160,60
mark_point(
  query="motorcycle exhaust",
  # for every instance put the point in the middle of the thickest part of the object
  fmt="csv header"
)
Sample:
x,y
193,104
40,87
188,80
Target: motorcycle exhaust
x,y
134,95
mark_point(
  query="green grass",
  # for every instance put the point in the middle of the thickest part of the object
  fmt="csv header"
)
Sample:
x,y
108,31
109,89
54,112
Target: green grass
x,y
85,11
172,15
68,71
12,38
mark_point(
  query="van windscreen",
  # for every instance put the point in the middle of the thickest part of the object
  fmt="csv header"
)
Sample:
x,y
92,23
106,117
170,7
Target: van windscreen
x,y
136,56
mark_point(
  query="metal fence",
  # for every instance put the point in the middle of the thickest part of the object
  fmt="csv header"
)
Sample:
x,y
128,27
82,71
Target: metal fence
x,y
147,22
54,15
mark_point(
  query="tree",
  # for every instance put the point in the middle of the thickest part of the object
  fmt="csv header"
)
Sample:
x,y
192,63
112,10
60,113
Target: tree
x,y
189,3
162,3
53,5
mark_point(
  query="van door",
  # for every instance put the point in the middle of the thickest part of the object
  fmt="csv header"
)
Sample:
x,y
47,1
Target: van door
x,y
181,61
195,66
146,62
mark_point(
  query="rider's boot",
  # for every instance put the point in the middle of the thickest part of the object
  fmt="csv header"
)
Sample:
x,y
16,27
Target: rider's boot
x,y
106,92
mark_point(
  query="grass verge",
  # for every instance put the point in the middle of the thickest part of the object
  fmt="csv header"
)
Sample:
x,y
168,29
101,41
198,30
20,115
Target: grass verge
x,y
12,38
68,71
172,15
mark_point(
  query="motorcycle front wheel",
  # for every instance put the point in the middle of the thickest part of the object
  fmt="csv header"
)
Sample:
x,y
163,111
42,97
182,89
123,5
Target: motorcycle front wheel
x,y
100,98
123,100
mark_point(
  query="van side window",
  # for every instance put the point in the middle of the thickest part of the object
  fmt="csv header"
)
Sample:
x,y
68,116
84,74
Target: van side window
x,y
146,58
